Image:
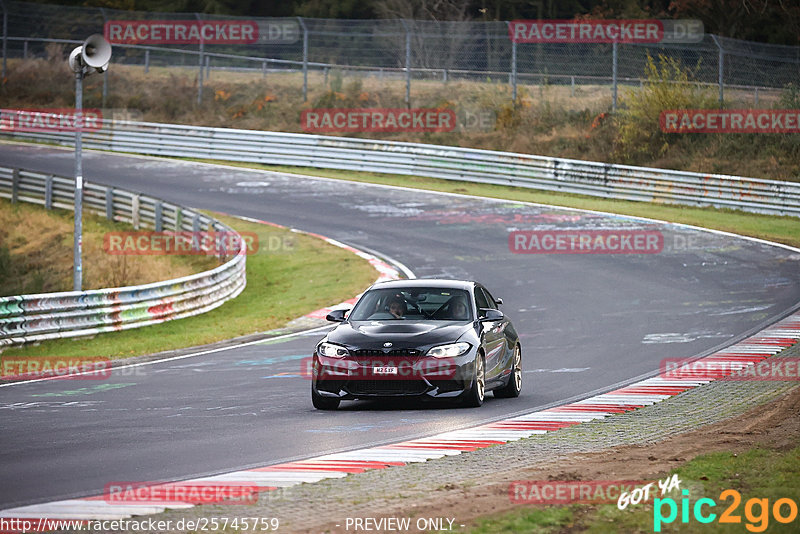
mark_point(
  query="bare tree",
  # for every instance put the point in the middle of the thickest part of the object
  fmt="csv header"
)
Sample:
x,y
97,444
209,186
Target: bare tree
x,y
436,37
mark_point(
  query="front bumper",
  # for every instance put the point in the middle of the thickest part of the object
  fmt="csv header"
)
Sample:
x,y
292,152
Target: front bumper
x,y
418,376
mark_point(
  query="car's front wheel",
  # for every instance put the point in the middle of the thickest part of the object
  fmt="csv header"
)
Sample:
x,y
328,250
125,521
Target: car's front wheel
x,y
477,392
514,386
323,403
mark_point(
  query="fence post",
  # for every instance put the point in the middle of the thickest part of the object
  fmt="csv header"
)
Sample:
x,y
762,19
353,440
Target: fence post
x,y
178,219
109,203
48,192
305,58
5,36
720,68
208,67
614,75
513,69
195,232
408,63
146,61
14,185
200,66
135,211
159,215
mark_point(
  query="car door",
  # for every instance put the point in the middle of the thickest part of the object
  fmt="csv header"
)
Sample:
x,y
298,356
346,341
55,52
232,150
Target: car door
x,y
492,334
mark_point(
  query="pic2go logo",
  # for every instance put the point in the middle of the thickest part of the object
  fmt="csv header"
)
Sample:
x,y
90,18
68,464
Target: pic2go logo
x,y
756,511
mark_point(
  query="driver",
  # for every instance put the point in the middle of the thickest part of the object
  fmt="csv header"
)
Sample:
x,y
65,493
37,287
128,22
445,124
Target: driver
x,y
397,306
458,309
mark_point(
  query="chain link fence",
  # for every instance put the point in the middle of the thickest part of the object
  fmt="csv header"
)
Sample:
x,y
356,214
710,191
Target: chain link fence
x,y
410,51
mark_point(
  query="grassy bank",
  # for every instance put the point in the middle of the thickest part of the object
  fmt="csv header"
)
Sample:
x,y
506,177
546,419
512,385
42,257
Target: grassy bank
x,y
36,253
284,282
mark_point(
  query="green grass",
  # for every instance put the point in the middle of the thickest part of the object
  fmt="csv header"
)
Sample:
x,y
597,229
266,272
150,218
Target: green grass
x,y
755,474
784,229
282,285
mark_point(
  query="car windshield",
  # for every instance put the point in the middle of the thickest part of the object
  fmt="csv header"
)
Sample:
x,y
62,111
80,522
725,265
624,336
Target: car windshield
x,y
413,303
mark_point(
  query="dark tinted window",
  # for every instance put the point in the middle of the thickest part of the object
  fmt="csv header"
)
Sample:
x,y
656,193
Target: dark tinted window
x,y
490,299
413,303
480,299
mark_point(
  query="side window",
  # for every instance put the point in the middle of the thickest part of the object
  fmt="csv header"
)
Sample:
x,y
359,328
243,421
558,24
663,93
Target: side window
x,y
490,299
480,300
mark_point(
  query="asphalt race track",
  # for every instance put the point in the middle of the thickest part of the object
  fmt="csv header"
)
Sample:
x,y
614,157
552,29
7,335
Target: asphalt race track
x,y
586,321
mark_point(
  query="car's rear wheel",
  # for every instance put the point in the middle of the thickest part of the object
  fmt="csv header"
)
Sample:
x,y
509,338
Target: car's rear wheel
x,y
323,403
514,386
477,392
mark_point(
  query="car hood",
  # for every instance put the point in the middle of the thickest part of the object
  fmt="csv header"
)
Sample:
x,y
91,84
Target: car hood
x,y
401,334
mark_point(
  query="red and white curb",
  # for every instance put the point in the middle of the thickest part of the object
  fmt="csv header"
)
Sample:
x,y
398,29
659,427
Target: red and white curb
x,y
748,352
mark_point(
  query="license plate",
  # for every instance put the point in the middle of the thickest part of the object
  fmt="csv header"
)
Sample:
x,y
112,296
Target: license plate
x,y
384,370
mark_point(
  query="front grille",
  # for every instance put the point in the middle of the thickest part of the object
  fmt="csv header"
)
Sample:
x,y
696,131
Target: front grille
x,y
386,387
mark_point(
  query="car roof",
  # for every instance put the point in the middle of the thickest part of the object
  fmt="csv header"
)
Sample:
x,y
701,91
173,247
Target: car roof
x,y
426,282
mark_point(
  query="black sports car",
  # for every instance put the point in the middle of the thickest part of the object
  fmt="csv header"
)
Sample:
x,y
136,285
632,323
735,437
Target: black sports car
x,y
425,338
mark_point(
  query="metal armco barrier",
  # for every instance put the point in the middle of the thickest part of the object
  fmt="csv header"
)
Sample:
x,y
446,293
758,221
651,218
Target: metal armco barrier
x,y
451,163
30,318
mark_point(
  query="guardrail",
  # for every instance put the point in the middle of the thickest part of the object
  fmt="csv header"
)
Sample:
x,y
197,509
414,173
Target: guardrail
x,y
30,318
451,163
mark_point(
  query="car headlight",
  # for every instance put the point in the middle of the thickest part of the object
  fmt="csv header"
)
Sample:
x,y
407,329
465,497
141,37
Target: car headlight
x,y
332,351
449,351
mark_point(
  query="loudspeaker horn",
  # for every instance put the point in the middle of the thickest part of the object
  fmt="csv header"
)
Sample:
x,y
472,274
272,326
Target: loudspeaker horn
x,y
95,53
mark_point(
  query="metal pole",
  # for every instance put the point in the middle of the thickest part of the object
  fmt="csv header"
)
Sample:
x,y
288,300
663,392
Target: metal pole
x,y
77,237
514,71
513,76
200,67
200,77
146,61
614,74
720,77
720,68
5,37
305,58
105,87
408,64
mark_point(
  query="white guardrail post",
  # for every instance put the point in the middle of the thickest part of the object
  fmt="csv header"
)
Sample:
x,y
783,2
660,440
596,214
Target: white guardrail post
x,y
30,318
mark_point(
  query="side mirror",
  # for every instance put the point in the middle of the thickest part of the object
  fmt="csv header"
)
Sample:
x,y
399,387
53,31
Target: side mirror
x,y
493,315
498,301
336,316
